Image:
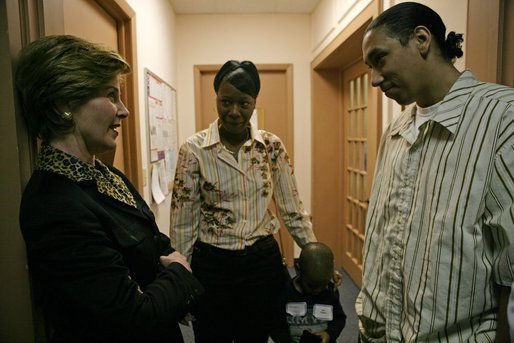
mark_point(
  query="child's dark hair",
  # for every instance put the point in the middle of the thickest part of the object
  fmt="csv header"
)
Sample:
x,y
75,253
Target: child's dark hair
x,y
316,257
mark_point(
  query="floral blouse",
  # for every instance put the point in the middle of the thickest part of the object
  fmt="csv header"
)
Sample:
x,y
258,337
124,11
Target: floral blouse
x,y
225,202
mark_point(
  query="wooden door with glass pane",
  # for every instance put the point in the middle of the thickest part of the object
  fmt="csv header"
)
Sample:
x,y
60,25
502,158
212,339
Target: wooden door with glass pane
x,y
359,151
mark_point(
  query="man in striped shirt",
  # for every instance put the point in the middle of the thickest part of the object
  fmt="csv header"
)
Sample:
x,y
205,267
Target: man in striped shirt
x,y
438,254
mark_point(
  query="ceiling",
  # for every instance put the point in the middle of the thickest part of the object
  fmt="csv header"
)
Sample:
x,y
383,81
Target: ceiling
x,y
243,6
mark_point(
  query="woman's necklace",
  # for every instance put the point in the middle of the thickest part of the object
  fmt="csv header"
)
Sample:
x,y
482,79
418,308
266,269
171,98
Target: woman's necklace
x,y
234,148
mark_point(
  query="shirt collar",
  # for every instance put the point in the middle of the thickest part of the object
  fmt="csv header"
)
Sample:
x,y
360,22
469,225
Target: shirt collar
x,y
54,160
450,110
57,161
213,135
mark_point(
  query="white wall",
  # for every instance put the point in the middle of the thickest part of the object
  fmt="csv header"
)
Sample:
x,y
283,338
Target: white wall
x,y
265,38
156,51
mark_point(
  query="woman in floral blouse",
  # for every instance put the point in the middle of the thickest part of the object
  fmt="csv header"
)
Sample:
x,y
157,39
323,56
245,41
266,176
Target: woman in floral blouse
x,y
225,179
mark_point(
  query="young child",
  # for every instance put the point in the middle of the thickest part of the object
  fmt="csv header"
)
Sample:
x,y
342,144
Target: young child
x,y
309,309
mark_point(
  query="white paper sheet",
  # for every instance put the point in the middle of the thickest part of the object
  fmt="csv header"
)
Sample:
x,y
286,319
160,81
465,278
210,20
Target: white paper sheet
x,y
156,187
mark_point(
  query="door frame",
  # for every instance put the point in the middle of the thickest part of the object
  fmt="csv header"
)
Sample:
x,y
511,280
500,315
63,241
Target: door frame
x,y
16,311
328,130
490,41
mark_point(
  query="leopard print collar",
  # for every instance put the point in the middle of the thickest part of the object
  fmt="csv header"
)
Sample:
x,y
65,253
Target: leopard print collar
x,y
54,160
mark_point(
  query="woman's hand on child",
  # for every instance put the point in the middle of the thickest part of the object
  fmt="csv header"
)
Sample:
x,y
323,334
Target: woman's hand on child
x,y
338,278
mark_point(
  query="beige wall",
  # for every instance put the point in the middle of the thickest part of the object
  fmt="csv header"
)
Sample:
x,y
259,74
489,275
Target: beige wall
x,y
330,18
156,51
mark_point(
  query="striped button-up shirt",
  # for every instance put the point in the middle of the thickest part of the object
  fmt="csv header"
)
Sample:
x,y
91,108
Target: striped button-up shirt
x,y
225,202
440,226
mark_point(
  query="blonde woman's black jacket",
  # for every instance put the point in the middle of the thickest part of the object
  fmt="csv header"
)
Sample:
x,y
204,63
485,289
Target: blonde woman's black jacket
x,y
94,263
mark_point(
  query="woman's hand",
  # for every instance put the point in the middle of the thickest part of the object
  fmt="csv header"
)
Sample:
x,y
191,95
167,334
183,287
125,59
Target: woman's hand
x,y
175,257
338,278
325,337
188,318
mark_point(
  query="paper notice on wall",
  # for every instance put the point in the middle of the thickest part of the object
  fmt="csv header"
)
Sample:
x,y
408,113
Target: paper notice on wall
x,y
163,178
157,194
254,119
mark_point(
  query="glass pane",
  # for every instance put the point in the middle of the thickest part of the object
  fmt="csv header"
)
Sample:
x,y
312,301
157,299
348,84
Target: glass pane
x,y
357,186
355,124
359,254
365,90
354,186
359,92
354,215
350,239
365,122
365,213
358,119
347,238
363,180
365,156
350,125
357,155
349,210
352,94
363,188
352,149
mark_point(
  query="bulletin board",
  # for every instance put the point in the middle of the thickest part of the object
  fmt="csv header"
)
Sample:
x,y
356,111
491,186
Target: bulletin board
x,y
161,112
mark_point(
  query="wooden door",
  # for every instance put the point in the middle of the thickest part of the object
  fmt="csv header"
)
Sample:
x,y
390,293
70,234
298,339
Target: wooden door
x,y
275,107
490,40
108,22
359,151
78,16
507,54
335,71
